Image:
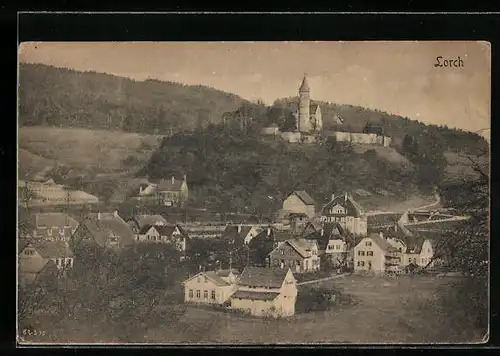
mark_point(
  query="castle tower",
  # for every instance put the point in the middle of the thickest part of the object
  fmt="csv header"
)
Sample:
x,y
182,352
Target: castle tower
x,y
304,124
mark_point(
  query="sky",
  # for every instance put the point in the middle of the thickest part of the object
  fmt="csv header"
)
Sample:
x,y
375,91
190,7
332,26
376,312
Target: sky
x,y
397,77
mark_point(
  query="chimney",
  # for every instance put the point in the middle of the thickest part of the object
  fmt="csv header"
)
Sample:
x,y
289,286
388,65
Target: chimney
x,y
239,228
268,231
185,179
98,215
345,197
173,180
140,189
322,231
116,213
333,197
381,234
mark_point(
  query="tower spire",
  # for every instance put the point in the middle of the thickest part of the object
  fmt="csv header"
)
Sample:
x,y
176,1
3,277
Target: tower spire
x,y
305,85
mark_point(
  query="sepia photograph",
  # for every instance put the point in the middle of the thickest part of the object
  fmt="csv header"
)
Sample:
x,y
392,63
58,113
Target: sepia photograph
x,y
253,193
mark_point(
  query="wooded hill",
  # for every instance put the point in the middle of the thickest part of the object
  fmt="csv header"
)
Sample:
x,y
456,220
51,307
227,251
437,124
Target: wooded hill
x,y
61,97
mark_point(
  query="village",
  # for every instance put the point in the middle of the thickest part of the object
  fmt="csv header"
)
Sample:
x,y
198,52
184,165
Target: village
x,y
305,244
301,244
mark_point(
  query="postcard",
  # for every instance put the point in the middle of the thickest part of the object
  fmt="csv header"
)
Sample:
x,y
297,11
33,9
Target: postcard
x,y
253,193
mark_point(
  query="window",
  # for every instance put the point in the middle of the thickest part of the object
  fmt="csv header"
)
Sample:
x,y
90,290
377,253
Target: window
x,y
282,252
359,253
190,293
369,253
362,263
338,247
205,294
148,237
362,253
137,238
198,293
213,294
429,250
198,279
399,249
113,239
206,279
29,252
359,264
369,264
368,243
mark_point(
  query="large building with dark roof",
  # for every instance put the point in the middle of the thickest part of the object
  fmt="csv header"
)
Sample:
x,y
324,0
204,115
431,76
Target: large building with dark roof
x,y
347,212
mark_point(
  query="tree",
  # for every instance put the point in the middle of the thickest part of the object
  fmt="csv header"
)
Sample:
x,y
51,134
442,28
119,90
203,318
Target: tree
x,y
27,195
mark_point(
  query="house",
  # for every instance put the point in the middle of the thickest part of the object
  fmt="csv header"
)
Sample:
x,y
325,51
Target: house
x,y
297,222
239,234
337,245
106,230
375,254
54,226
168,192
300,202
137,222
163,234
34,256
299,255
265,292
421,251
211,287
346,211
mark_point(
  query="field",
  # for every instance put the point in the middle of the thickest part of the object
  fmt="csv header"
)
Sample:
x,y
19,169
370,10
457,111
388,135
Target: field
x,y
81,149
385,310
389,311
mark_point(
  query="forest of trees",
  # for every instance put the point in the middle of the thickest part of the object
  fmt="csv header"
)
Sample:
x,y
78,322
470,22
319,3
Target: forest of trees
x,y
234,171
62,97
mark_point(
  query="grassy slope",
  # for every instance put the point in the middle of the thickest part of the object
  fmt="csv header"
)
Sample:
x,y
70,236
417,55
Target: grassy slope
x,y
81,149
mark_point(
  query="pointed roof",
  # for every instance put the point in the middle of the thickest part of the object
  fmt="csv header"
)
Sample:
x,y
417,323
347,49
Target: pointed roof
x,y
145,219
382,243
302,246
302,195
353,208
305,85
51,249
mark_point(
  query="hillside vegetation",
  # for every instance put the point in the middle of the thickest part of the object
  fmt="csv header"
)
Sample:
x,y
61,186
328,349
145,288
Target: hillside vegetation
x,y
52,96
231,171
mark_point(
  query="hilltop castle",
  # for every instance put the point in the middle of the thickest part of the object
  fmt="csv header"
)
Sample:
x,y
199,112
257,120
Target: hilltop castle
x,y
309,121
309,125
308,116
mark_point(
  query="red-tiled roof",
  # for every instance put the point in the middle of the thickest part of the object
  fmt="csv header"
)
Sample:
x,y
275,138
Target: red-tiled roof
x,y
254,295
